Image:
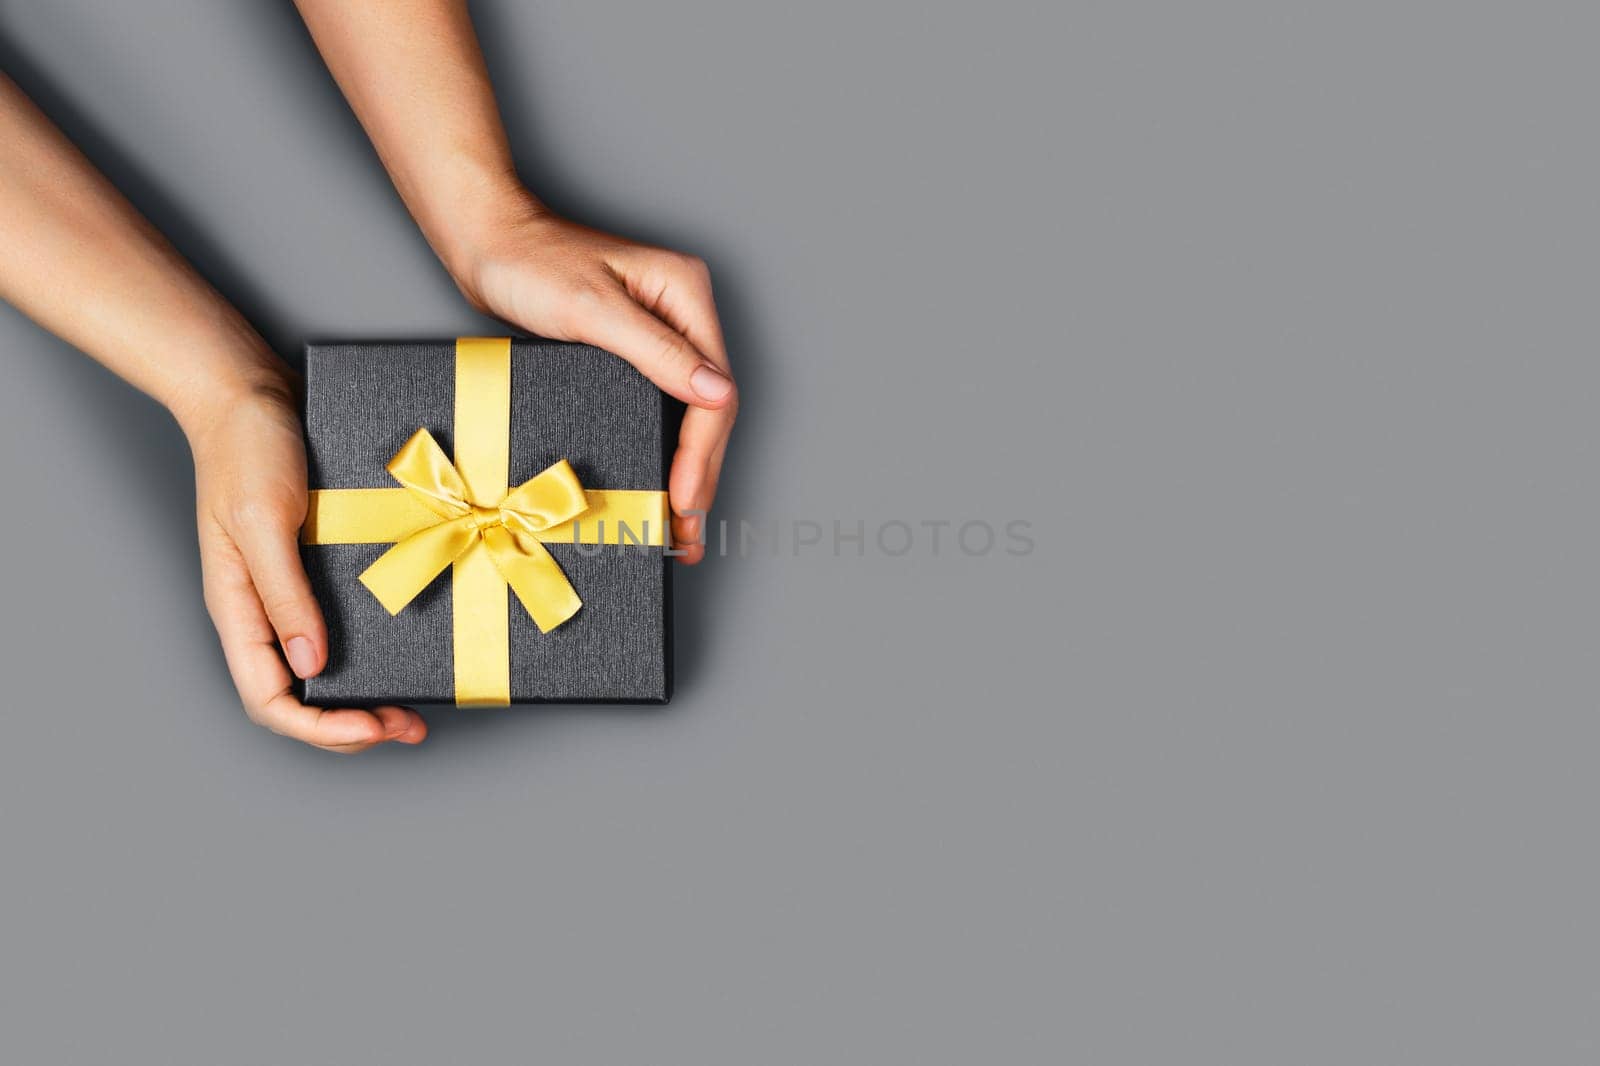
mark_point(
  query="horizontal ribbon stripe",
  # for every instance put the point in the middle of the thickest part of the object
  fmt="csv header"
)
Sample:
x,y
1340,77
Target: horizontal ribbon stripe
x,y
384,516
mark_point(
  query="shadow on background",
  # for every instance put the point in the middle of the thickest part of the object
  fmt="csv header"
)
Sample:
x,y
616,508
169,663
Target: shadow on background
x,y
168,216
697,590
144,439
132,430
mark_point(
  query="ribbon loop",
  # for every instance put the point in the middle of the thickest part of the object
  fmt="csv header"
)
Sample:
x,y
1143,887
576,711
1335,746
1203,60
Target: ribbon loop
x,y
549,498
421,466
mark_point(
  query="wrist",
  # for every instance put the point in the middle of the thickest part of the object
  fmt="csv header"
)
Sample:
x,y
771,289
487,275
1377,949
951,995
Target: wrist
x,y
237,378
481,208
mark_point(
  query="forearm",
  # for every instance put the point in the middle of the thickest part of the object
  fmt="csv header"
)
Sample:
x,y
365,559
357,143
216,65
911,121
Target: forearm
x,y
414,75
413,72
85,265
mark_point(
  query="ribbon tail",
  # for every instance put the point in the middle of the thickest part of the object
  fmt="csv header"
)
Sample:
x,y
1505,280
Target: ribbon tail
x,y
535,576
401,573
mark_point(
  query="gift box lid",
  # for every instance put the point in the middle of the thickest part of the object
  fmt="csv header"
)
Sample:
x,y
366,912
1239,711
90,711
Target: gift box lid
x,y
567,401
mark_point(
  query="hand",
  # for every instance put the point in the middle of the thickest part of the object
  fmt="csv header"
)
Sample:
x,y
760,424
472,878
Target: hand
x,y
250,484
651,306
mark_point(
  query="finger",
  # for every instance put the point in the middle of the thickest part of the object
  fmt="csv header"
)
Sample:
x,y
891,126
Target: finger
x,y
677,289
688,538
271,551
402,725
658,351
249,644
695,474
343,730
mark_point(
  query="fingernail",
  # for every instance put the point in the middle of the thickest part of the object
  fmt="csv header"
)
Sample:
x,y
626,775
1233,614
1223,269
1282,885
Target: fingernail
x,y
302,656
710,385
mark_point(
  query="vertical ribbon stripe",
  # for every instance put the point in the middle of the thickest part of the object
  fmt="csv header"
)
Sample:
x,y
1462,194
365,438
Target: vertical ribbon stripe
x,y
483,456
482,635
483,417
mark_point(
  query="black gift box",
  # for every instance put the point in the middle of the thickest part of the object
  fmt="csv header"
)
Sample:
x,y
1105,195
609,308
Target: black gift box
x,y
363,401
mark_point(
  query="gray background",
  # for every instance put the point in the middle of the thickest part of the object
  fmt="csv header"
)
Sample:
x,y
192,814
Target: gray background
x,y
1274,318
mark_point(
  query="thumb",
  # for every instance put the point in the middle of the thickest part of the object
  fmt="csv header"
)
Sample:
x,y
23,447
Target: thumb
x,y
271,551
657,351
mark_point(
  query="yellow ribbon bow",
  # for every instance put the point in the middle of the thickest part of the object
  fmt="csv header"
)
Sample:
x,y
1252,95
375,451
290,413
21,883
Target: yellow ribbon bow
x,y
464,516
504,528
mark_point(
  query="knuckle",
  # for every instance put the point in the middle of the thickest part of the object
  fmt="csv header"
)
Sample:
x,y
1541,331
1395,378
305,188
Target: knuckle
x,y
694,267
279,611
285,607
260,511
676,353
258,716
582,293
585,297
345,739
578,303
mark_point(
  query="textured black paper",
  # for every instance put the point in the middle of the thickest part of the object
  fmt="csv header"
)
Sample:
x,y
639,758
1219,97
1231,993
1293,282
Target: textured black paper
x,y
567,401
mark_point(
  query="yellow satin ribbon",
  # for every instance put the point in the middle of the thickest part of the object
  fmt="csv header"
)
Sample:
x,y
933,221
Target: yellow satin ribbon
x,y
464,516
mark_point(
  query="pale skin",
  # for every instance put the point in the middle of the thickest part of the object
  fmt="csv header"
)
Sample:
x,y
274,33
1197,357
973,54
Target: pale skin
x,y
84,264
